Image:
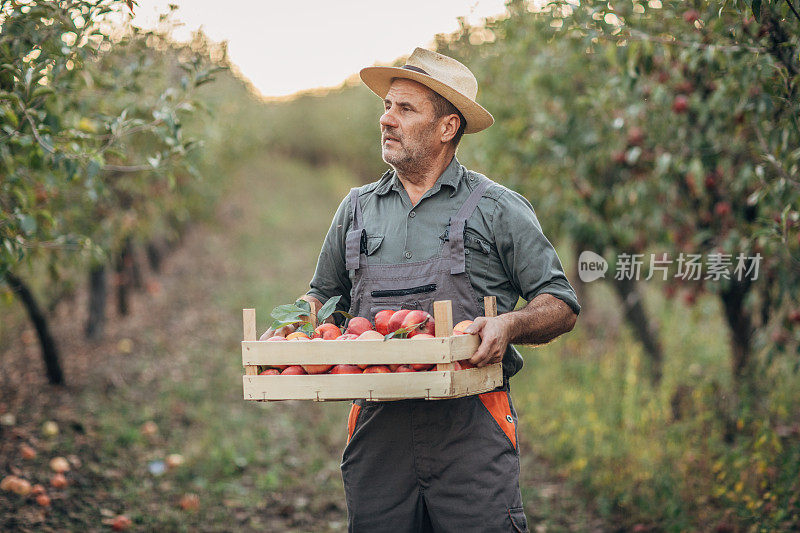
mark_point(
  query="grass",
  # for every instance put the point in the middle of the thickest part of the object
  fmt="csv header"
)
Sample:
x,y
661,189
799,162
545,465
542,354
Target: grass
x,y
660,458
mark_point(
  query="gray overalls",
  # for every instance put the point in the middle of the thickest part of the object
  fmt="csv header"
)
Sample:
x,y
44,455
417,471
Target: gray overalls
x,y
428,465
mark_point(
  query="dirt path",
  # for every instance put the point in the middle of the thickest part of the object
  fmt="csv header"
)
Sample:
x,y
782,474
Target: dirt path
x,y
174,362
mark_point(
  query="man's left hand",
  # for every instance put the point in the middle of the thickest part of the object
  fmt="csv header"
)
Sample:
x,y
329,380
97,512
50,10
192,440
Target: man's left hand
x,y
495,337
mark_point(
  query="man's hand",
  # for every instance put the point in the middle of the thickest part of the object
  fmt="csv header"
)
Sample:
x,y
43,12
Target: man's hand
x,y
286,330
495,336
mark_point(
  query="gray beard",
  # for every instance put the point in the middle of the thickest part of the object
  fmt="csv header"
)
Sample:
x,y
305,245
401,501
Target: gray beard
x,y
410,163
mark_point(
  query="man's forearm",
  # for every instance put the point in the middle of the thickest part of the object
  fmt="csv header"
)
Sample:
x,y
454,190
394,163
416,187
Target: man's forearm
x,y
542,320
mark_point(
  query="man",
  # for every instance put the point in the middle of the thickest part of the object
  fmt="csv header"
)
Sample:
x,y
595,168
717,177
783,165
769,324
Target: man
x,y
427,230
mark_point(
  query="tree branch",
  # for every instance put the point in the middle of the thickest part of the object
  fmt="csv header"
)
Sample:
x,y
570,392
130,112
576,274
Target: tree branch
x,y
796,14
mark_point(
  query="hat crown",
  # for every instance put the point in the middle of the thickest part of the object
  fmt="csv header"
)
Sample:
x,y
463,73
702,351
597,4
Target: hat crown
x,y
445,69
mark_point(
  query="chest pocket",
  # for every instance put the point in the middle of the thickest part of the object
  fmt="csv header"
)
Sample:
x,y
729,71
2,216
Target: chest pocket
x,y
478,254
371,244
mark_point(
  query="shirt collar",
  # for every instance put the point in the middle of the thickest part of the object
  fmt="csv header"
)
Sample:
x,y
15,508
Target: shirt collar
x,y
450,177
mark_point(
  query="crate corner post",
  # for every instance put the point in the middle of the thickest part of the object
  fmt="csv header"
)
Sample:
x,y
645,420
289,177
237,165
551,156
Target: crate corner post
x,y
249,334
443,316
490,310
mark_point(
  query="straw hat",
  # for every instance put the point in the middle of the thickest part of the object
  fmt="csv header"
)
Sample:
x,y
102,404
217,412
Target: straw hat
x,y
440,73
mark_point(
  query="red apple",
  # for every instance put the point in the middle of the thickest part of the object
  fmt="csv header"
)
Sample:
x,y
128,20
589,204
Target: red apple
x,y
358,325
403,368
425,321
276,338
382,319
397,319
377,369
346,337
316,369
459,328
419,367
370,334
270,372
423,336
294,370
345,369
328,331
680,104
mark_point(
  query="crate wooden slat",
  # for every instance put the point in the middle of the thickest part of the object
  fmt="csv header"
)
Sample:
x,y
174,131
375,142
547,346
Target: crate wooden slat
x,y
372,352
444,350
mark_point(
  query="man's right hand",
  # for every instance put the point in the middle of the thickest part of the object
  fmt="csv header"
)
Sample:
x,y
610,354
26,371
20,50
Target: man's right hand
x,y
286,330
280,332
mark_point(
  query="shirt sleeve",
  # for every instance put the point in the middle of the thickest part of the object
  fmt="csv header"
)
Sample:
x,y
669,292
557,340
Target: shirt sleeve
x,y
331,277
530,261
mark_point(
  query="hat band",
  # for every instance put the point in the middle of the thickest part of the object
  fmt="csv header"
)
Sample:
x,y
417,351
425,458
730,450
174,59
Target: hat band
x,y
415,69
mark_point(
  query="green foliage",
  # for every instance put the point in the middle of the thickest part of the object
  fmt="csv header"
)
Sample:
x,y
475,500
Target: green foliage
x,y
298,313
655,127
92,149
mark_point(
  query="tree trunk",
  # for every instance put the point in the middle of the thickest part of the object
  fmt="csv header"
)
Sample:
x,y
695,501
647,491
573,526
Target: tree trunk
x,y
153,256
49,349
636,316
98,289
741,329
137,279
123,279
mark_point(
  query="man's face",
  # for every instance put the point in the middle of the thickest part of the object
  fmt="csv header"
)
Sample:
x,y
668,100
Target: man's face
x,y
408,126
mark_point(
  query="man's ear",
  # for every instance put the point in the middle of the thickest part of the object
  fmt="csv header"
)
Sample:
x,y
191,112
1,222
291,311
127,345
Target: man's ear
x,y
450,125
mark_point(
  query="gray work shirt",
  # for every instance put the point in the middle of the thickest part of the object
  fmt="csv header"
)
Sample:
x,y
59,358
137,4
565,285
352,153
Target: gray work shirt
x,y
507,255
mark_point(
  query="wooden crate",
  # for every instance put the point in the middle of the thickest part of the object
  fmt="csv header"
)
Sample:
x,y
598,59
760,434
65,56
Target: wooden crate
x,y
443,382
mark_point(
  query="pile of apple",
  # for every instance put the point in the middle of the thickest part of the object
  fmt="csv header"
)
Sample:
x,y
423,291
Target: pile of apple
x,y
405,323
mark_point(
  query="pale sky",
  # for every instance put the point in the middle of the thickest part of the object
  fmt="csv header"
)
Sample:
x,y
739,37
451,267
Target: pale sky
x,y
287,46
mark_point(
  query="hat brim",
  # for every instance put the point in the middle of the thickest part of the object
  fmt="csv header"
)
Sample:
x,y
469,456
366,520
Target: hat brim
x,y
379,79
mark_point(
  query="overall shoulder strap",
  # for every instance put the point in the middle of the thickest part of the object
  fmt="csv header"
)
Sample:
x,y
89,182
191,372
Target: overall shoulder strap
x,y
456,234
354,235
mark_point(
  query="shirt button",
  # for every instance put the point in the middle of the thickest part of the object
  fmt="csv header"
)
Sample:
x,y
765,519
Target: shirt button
x,y
412,214
466,251
408,255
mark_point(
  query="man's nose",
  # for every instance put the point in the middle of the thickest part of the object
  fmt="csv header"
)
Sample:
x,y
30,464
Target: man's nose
x,y
388,120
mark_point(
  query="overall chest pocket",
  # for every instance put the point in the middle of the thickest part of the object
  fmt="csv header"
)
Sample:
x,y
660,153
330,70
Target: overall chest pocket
x,y
478,254
417,297
371,244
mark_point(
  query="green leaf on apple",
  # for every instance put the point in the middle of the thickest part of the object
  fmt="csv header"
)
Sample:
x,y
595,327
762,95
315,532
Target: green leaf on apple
x,y
288,313
306,328
302,304
327,310
402,333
